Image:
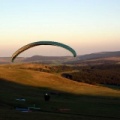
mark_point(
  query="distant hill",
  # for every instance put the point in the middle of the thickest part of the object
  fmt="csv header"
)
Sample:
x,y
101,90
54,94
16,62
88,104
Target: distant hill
x,y
93,58
98,58
102,56
48,59
99,55
7,60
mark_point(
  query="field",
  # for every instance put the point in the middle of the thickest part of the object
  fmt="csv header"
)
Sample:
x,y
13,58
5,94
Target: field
x,y
69,99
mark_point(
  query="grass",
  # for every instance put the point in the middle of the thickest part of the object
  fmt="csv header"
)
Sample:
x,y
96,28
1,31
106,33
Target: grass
x,y
82,101
53,81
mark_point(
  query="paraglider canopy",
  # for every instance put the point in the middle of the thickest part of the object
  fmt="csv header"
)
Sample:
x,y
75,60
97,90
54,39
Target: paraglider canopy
x,y
42,43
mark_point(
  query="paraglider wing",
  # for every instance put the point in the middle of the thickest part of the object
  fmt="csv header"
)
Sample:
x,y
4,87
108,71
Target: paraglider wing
x,y
42,43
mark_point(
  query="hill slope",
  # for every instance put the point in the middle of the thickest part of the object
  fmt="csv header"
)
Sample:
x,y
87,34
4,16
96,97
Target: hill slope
x,y
69,99
52,81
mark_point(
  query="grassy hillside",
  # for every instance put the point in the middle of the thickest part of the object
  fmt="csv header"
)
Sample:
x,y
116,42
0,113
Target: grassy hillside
x,y
69,99
53,81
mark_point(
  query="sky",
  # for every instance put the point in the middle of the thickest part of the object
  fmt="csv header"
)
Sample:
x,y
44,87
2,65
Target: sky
x,y
87,26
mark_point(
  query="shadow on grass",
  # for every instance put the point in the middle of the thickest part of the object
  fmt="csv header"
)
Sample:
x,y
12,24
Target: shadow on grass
x,y
10,91
60,102
115,87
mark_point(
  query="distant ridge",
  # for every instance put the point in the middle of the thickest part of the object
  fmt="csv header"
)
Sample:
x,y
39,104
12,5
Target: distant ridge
x,y
68,59
64,59
98,58
99,55
48,59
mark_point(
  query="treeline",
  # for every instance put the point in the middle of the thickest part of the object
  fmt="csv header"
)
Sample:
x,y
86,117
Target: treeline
x,y
100,74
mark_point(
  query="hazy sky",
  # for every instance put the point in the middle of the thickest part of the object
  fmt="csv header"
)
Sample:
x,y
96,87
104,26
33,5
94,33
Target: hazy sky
x,y
86,25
